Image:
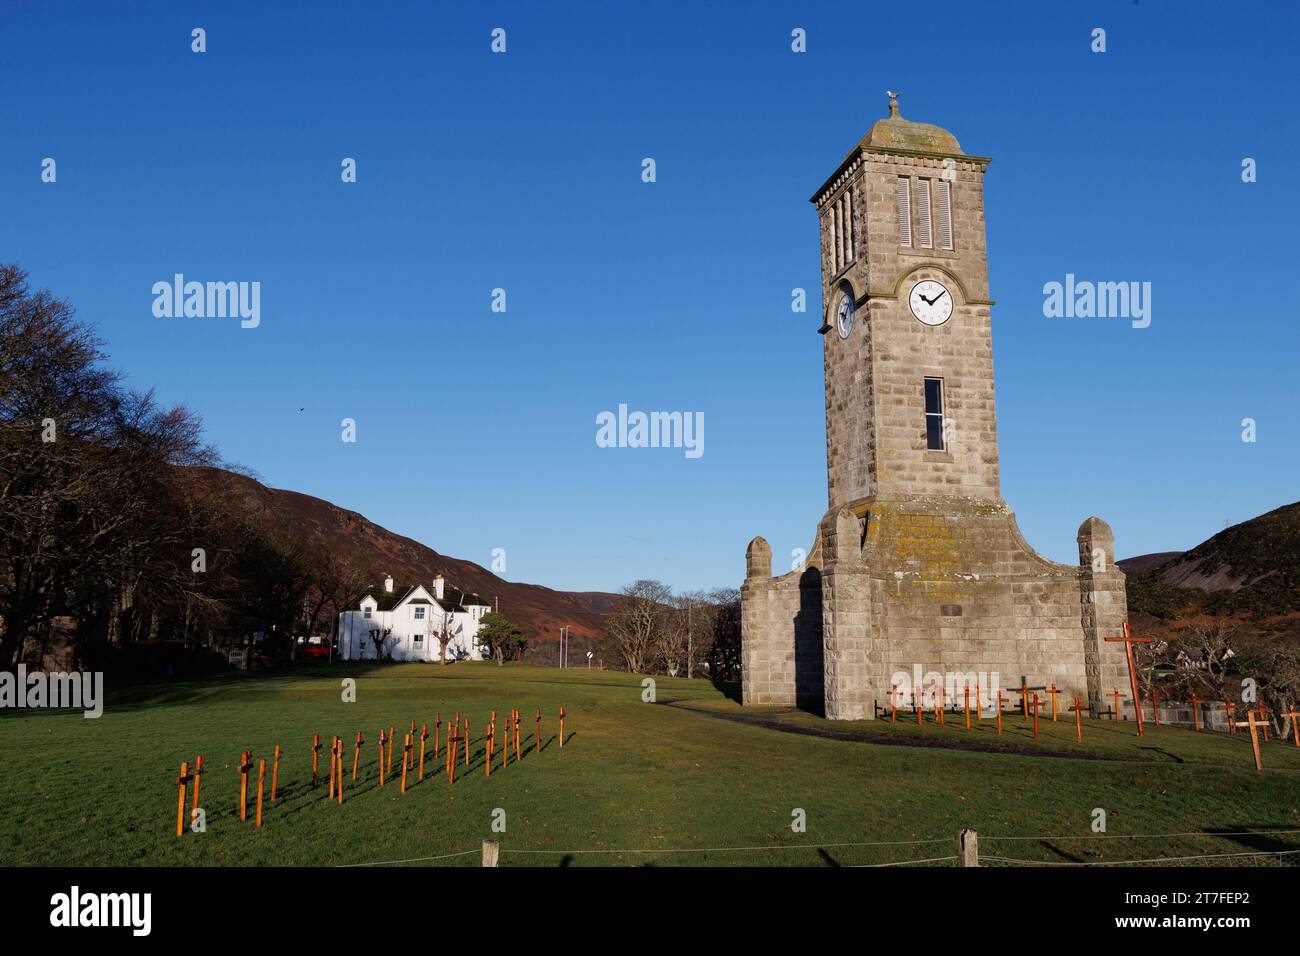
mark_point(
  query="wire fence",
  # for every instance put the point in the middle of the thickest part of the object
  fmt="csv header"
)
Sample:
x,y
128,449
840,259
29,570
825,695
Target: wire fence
x,y
982,859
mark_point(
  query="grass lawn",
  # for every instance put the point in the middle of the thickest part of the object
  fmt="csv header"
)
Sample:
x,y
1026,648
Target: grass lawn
x,y
684,774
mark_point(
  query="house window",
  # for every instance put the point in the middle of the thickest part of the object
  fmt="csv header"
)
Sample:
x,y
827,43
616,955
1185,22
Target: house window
x,y
419,640
934,414
365,613
904,211
419,614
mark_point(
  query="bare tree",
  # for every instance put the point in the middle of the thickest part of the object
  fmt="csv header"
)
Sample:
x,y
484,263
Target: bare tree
x,y
635,621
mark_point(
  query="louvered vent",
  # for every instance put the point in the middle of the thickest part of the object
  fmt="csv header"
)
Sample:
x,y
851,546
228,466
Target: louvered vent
x,y
923,212
945,215
904,212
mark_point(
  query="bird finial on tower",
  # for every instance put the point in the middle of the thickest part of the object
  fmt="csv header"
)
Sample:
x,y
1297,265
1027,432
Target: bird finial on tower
x,y
893,104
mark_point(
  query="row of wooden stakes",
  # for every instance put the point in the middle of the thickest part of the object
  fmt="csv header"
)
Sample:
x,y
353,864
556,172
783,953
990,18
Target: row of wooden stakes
x,y
455,751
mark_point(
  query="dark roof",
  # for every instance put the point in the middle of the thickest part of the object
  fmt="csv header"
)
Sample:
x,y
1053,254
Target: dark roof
x,y
453,599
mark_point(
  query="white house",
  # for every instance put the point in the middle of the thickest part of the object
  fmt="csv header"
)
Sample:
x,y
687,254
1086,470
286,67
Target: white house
x,y
417,619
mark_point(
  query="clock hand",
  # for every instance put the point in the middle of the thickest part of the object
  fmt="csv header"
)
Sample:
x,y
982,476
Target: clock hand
x,y
940,296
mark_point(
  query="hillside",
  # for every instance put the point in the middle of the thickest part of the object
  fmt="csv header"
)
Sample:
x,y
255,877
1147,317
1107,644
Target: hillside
x,y
1250,569
539,610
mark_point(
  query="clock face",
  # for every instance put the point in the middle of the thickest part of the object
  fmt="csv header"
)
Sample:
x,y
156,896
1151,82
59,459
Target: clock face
x,y
844,315
931,302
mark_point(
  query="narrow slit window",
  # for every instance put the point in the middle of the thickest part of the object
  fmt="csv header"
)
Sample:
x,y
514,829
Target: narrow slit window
x,y
934,415
945,214
923,228
904,212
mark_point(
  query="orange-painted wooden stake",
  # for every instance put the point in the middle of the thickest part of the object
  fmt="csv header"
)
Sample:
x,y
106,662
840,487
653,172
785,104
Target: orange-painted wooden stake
x,y
488,733
561,726
1078,721
979,703
1232,727
424,737
315,758
391,734
333,769
198,778
466,743
1196,713
1053,701
1000,699
452,743
381,756
916,705
1035,714
406,759
341,752
538,736
261,780
938,708
1128,641
1114,714
1155,707
1263,715
1251,721
245,765
356,755
967,695
518,753
275,771
1024,696
1292,713
181,781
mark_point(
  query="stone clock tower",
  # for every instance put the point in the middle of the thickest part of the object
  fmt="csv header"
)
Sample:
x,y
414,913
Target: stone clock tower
x,y
918,567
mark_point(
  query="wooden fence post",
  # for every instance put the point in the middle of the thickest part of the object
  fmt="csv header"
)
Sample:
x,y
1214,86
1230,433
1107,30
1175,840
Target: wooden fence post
x,y
968,847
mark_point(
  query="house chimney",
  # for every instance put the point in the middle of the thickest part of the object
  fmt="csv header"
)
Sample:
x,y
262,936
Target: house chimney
x,y
438,586
388,584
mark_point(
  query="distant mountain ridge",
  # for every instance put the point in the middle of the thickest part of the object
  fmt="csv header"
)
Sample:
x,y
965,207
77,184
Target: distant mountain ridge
x,y
1249,568
541,611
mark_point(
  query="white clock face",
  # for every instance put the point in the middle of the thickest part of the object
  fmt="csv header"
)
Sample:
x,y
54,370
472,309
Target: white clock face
x,y
931,302
844,315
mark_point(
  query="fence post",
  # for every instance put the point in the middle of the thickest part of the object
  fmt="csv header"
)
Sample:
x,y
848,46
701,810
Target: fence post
x,y
968,848
491,850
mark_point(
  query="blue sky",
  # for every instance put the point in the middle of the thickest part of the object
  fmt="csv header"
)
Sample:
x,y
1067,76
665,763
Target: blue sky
x,y
522,171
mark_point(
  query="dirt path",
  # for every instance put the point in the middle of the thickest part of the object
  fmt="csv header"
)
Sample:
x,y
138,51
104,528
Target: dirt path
x,y
770,720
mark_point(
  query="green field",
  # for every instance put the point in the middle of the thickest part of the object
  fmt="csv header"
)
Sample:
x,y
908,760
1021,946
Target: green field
x,y
636,783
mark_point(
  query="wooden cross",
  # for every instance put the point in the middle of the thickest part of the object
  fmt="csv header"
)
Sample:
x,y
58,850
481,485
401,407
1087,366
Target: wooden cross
x,y
315,759
938,707
1196,713
424,736
261,778
245,765
391,734
1229,707
1155,706
916,705
1078,720
181,781
979,702
1053,689
333,769
406,759
489,742
1129,640
518,755
561,727
275,771
1292,713
356,755
1114,713
198,775
1000,700
338,787
1035,715
893,703
382,738
1254,723
967,690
